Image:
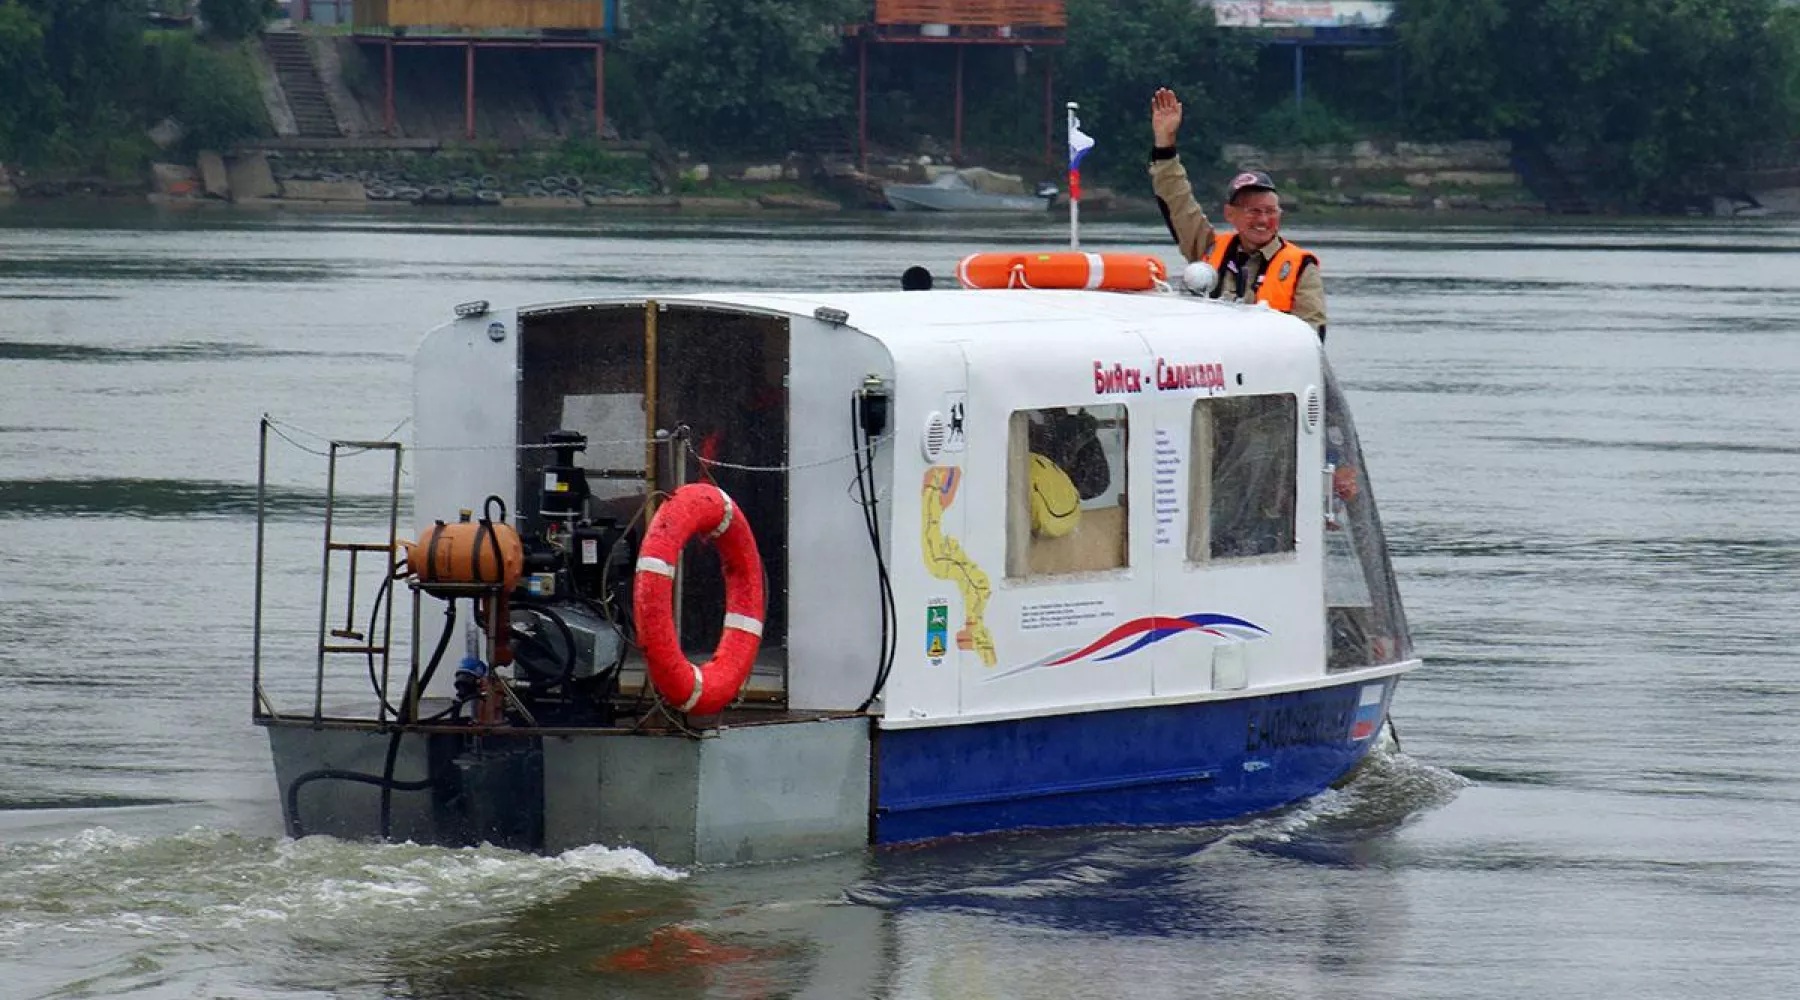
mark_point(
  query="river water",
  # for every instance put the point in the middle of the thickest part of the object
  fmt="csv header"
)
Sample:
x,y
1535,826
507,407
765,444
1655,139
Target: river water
x,y
1587,449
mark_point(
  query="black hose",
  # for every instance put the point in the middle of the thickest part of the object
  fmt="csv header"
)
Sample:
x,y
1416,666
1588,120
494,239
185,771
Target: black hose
x,y
891,625
437,656
374,617
449,711
487,522
870,495
295,829
386,779
387,782
403,717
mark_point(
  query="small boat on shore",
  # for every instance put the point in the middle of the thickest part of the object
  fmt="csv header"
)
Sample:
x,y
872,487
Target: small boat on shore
x,y
954,192
743,576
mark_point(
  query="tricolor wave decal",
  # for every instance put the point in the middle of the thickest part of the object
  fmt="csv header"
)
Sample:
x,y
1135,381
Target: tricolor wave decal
x,y
1126,639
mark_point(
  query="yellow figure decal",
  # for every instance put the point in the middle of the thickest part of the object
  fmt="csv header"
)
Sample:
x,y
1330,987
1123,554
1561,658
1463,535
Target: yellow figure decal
x,y
946,560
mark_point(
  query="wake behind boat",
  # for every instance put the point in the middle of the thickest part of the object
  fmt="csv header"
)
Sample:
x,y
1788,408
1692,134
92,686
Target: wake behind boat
x,y
741,576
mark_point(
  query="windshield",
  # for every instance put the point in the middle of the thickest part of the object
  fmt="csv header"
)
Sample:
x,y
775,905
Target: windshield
x,y
1364,621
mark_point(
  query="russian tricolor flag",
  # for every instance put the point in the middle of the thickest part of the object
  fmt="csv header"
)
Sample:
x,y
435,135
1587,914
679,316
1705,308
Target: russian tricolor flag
x,y
1079,144
1368,712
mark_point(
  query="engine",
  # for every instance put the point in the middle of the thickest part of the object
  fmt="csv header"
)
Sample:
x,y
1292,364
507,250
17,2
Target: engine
x,y
551,601
568,618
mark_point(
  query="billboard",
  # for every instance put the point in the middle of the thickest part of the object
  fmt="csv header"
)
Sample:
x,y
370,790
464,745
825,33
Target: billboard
x,y
1301,13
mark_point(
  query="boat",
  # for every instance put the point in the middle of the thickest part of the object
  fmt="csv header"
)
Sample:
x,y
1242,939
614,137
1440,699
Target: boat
x,y
956,192
743,576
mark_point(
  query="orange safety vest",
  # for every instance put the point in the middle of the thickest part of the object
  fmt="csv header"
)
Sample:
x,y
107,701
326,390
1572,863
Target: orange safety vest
x,y
1278,280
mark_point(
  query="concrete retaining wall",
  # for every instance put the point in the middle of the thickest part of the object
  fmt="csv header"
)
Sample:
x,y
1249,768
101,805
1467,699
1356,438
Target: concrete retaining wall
x,y
1464,175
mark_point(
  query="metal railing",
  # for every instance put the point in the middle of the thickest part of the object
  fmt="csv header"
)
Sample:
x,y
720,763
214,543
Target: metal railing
x,y
376,644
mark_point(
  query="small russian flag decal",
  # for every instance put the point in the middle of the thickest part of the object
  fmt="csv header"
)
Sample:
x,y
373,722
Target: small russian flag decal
x,y
1368,712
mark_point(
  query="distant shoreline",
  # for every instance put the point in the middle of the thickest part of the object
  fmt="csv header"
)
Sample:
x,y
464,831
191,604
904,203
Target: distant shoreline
x,y
101,192
1460,177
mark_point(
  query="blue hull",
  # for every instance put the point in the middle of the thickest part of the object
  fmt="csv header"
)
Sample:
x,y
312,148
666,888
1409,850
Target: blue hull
x,y
1202,762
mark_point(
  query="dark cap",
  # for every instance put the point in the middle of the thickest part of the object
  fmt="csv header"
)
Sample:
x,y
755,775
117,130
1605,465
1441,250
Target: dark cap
x,y
1249,180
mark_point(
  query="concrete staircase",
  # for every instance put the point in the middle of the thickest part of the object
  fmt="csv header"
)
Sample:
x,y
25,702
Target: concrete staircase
x,y
300,83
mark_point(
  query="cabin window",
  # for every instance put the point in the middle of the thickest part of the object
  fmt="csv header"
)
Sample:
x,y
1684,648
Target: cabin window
x,y
1066,490
1241,478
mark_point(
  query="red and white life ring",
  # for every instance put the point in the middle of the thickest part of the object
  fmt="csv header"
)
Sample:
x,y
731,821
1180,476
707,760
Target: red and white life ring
x,y
1114,272
699,509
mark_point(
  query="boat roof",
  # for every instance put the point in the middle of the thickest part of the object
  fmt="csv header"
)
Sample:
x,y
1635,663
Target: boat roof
x,y
900,319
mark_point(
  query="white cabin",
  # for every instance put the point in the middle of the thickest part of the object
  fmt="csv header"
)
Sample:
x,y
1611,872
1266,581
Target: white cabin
x,y
1204,525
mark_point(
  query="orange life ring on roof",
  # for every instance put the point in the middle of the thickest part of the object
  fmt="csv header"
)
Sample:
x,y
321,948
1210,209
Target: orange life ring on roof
x,y
1113,272
698,509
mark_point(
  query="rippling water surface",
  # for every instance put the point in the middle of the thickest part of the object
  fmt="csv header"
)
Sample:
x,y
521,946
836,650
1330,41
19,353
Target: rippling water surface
x,y
1588,455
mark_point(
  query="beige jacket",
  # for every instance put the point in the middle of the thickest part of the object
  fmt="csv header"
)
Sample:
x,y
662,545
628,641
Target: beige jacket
x,y
1194,233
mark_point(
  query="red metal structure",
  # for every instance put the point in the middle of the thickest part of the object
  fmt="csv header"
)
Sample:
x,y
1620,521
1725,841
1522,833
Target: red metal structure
x,y
486,24
960,23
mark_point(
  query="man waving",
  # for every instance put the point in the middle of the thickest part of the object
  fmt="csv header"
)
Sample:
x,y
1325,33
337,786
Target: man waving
x,y
1254,263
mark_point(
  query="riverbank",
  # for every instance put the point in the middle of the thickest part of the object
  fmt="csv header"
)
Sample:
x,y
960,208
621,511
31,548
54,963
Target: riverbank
x,y
586,175
575,175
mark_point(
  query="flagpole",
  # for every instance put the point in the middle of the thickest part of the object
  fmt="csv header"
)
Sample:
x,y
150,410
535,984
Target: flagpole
x,y
1074,187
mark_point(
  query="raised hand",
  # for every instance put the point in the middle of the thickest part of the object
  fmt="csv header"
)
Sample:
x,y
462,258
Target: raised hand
x,y
1165,116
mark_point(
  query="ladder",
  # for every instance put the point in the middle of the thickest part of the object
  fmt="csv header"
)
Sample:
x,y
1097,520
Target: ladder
x,y
377,643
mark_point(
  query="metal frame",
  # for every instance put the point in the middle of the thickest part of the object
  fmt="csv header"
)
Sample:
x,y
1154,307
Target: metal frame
x,y
262,707
368,646
469,45
259,702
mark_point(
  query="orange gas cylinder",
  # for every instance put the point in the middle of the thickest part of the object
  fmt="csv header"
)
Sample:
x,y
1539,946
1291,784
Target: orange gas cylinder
x,y
467,552
1115,272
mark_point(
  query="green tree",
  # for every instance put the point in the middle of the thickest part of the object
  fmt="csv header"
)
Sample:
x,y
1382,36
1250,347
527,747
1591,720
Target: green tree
x,y
1120,51
1661,95
233,19
742,75
80,80
1666,93
31,104
91,50
65,64
1784,29
210,90
1458,55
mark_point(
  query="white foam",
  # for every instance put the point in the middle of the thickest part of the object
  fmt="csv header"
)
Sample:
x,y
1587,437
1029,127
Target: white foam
x,y
625,861
187,886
